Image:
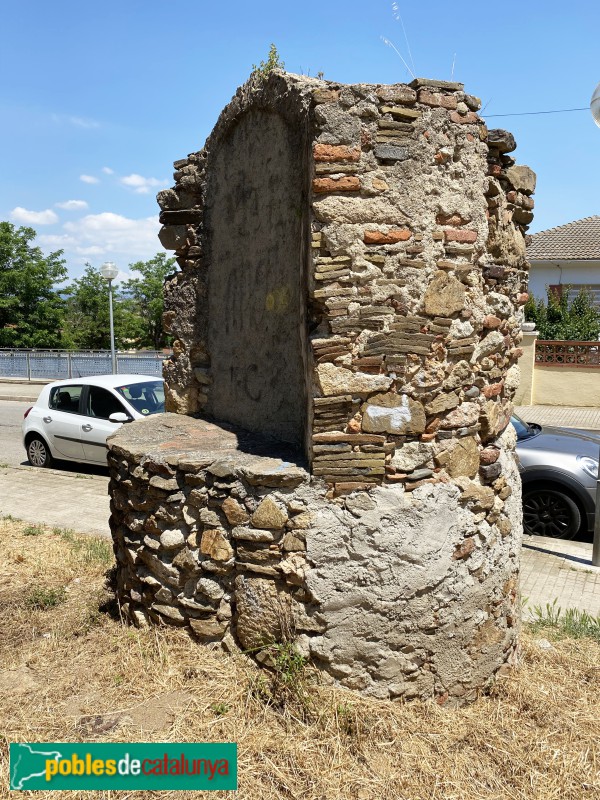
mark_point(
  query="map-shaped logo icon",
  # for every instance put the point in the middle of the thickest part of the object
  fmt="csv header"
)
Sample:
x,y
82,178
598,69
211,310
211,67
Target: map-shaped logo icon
x,y
28,763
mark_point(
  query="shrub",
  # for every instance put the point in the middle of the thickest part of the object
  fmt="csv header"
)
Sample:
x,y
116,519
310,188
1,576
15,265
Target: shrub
x,y
563,319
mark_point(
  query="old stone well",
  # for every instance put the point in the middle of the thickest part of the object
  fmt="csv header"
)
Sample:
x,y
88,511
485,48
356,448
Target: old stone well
x,y
337,466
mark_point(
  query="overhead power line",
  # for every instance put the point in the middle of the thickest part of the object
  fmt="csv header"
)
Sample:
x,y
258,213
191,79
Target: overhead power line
x,y
529,113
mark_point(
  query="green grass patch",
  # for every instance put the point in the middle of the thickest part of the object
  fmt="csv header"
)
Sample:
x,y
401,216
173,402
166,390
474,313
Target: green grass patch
x,y
41,598
286,681
33,530
569,622
90,549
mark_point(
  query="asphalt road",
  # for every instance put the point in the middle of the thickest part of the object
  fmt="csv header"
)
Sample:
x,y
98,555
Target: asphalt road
x,y
12,451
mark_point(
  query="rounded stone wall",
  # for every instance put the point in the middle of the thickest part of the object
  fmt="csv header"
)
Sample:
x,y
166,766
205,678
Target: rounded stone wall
x,y
392,592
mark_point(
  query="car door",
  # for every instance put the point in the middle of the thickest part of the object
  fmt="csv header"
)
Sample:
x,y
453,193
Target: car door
x,y
62,422
99,404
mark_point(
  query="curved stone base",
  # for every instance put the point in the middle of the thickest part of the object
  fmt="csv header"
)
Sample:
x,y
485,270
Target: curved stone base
x,y
391,592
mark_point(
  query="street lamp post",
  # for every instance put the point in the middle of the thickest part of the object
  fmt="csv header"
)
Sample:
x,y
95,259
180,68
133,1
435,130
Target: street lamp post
x,y
109,271
595,109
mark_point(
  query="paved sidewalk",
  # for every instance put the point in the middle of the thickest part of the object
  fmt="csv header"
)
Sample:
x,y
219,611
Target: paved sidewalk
x,y
25,391
552,569
562,416
52,497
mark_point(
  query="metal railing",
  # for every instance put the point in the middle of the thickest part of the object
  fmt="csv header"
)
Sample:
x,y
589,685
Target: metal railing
x,y
59,364
567,353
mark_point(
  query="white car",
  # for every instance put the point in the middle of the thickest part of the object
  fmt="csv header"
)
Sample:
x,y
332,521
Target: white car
x,y
72,418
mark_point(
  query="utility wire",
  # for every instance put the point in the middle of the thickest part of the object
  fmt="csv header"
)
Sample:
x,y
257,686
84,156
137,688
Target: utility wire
x,y
529,113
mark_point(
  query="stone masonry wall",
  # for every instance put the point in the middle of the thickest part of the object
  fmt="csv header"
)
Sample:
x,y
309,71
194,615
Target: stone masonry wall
x,y
414,283
394,593
374,237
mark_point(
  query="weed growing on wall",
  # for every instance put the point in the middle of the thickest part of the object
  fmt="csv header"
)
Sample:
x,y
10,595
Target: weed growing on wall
x,y
265,67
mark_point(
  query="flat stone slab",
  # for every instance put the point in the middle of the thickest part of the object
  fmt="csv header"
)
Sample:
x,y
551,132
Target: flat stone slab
x,y
421,83
192,444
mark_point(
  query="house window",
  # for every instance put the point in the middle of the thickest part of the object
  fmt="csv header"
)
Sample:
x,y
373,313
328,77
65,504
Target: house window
x,y
558,289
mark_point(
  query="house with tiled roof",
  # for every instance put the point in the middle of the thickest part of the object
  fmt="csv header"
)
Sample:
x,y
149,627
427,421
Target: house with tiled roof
x,y
566,255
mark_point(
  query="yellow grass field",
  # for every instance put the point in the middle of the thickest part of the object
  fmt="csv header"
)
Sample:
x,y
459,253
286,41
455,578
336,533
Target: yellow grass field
x,y
70,671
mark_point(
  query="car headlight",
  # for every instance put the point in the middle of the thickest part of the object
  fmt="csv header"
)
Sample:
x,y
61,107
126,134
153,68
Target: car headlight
x,y
589,466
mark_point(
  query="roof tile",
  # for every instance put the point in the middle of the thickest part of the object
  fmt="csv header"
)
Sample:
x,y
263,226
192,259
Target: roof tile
x,y
577,240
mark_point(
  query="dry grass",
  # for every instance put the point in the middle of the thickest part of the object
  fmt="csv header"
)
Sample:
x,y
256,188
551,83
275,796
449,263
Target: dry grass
x,y
71,672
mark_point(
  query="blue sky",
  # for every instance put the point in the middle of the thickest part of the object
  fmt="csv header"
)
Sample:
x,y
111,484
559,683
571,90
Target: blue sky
x,y
98,99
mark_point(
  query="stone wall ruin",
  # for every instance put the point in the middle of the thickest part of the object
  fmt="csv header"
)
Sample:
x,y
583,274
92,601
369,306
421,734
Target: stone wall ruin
x,y
346,324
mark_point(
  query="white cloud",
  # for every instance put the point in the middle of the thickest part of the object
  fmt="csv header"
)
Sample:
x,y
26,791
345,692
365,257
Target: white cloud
x,y
93,250
83,122
96,238
47,217
57,241
112,234
72,205
108,171
89,179
141,185
79,122
125,276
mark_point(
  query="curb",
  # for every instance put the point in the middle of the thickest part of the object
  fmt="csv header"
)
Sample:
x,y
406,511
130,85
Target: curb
x,y
60,473
32,382
18,398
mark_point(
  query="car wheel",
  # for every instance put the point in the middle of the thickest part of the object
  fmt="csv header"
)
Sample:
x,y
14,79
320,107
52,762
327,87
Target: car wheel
x,y
547,512
38,453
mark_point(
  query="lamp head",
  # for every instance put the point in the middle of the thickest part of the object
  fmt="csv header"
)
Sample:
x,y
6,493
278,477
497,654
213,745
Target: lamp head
x,y
109,270
595,105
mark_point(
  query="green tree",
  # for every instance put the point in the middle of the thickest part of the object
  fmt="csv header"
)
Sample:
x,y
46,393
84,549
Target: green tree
x,y
87,324
146,296
562,319
31,308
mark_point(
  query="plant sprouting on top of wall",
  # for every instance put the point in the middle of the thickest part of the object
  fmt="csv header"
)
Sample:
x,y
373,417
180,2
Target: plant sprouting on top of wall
x,y
265,67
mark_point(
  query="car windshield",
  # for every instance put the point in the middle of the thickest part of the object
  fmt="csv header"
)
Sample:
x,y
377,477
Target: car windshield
x,y
147,397
524,431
